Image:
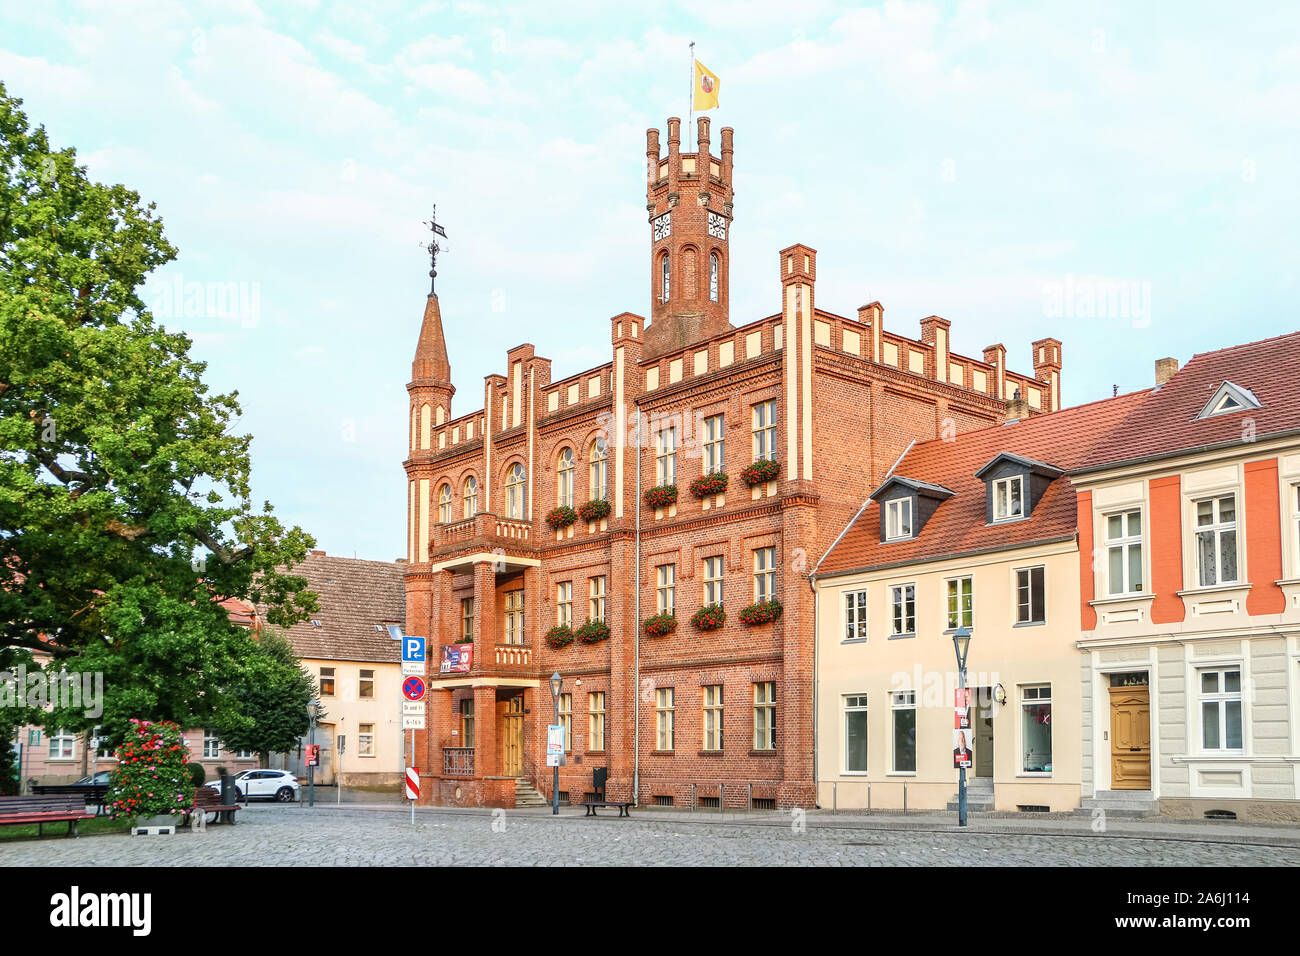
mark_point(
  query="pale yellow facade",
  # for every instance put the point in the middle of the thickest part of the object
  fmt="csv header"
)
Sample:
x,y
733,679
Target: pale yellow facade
x,y
1029,761
368,714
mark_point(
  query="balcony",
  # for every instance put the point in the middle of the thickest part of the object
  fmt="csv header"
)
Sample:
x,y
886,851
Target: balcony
x,y
514,655
458,761
483,532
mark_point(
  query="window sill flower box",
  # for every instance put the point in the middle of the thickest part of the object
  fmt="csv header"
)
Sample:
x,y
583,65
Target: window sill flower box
x,y
660,625
661,496
559,636
561,517
764,612
761,472
592,632
714,483
709,618
594,510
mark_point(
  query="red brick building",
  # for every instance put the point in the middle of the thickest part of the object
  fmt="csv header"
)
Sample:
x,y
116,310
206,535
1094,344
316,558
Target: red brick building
x,y
693,715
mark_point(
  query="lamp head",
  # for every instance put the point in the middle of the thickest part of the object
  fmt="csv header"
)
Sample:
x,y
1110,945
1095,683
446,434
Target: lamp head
x,y
556,683
961,643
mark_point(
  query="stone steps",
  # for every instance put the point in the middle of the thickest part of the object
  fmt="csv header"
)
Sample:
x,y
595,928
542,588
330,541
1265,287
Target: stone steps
x,y
1124,804
979,798
526,795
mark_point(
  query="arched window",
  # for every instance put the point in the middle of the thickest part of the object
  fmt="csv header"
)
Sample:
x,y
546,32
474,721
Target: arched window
x,y
599,459
471,496
564,479
713,277
444,504
664,287
515,486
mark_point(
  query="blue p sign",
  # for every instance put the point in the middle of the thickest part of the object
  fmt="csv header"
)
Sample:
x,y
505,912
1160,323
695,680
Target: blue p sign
x,y
413,649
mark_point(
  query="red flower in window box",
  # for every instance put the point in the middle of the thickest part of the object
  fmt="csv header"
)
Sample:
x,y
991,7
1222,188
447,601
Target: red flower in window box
x,y
660,625
761,472
714,483
594,510
764,612
561,517
592,632
559,636
661,496
709,618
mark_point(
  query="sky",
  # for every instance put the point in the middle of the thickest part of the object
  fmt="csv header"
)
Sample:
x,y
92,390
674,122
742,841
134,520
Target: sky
x,y
1117,177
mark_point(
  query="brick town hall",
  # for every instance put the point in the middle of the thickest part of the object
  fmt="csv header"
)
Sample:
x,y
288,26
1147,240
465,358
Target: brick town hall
x,y
543,535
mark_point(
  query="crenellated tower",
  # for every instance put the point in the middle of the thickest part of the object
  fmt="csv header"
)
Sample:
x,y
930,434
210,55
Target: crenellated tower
x,y
689,201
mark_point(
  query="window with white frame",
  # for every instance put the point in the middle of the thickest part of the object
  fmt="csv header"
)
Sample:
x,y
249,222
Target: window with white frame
x,y
855,734
855,615
902,713
765,715
898,519
63,745
1220,693
961,602
902,606
1295,524
1216,541
599,461
665,275
566,719
715,456
1031,607
1008,498
764,574
596,597
366,685
564,604
327,682
712,696
596,720
444,504
365,740
666,456
664,718
666,588
516,485
471,496
764,414
713,277
1124,552
564,479
1036,728
514,617
713,580
211,745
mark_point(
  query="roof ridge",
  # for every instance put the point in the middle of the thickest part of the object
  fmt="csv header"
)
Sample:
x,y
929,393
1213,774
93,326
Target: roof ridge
x,y
1241,345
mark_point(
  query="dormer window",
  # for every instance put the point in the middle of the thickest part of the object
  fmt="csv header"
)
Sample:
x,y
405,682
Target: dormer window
x,y
898,519
1229,398
1009,498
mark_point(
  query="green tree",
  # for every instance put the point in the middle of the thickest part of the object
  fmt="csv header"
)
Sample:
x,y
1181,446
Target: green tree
x,y
269,713
125,503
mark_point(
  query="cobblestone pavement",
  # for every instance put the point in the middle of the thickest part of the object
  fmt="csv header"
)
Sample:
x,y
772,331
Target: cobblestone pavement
x,y
297,836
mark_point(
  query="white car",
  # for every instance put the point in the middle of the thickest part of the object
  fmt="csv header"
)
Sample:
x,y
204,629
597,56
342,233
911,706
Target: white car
x,y
278,785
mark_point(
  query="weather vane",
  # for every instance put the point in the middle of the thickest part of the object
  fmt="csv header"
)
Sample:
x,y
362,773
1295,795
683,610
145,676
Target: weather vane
x,y
433,246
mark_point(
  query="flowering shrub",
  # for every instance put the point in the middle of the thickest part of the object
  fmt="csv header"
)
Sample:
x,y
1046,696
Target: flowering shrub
x,y
592,632
661,496
660,625
714,483
559,636
764,612
761,472
561,517
594,510
152,776
709,618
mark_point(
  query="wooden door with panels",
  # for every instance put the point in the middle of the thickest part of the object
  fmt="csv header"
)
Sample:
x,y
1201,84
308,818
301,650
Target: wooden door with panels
x,y
1130,738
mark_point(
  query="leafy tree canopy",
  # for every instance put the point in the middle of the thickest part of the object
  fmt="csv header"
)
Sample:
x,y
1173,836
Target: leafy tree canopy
x,y
268,713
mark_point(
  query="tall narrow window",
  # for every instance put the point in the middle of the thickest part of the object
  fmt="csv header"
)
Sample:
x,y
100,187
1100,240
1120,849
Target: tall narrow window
x,y
715,456
1030,596
467,722
564,604
902,708
855,616
664,714
211,745
664,277
566,719
366,685
444,504
365,740
1295,522
961,603
1008,498
467,620
713,717
666,456
902,599
599,460
564,479
713,277
1036,728
1124,552
666,588
596,720
855,733
514,616
1221,709
764,574
471,496
713,580
765,715
765,430
515,489
1216,540
596,597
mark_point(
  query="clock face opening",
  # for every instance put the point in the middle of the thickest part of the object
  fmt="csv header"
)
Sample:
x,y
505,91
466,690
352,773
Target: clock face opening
x,y
717,226
663,227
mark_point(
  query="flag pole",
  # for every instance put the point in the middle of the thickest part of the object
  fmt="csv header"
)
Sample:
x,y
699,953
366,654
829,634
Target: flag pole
x,y
690,123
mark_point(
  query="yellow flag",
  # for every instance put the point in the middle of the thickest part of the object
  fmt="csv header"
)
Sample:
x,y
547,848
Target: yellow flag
x,y
706,87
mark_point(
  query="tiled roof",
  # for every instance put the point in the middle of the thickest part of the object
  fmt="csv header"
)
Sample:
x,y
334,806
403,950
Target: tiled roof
x,y
355,595
1167,423
958,526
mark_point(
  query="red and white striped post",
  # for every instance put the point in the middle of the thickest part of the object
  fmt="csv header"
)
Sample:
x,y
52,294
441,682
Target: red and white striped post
x,y
412,788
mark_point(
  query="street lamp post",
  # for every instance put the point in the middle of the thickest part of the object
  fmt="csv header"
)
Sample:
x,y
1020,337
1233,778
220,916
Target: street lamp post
x,y
313,709
556,683
961,644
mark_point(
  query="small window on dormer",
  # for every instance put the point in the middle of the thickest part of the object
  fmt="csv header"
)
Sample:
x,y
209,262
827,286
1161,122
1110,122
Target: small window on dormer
x,y
1008,498
1229,398
898,519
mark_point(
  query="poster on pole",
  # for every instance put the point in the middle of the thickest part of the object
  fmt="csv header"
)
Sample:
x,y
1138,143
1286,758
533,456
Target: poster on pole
x,y
555,745
961,752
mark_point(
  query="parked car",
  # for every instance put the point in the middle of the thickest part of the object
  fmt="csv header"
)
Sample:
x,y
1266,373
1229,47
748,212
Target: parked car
x,y
278,785
95,779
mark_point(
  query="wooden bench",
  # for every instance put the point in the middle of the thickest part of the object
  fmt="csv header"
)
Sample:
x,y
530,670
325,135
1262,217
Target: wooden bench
x,y
208,800
56,808
591,806
95,794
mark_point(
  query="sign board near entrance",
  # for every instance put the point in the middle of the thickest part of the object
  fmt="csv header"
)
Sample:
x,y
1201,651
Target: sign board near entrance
x,y
414,721
413,668
555,745
413,708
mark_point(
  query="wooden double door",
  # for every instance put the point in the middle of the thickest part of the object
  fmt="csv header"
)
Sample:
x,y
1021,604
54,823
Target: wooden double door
x,y
1130,738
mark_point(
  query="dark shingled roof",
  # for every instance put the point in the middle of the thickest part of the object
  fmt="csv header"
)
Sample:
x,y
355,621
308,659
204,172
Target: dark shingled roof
x,y
355,595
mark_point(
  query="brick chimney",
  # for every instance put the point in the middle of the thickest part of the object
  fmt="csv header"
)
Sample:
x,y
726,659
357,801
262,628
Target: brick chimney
x,y
1166,368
